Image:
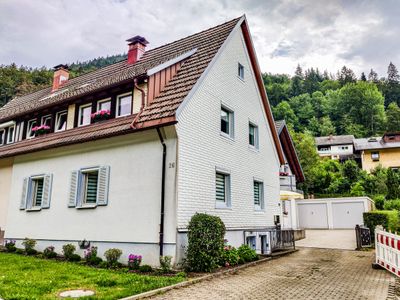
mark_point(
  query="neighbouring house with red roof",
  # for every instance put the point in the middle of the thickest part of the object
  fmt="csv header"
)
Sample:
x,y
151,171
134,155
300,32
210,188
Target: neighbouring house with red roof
x,y
124,156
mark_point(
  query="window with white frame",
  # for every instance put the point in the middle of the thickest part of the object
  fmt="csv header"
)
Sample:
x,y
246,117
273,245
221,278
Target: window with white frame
x,y
104,104
36,192
227,122
240,71
258,195
10,134
124,105
46,120
85,114
223,190
61,121
2,136
253,135
89,187
29,133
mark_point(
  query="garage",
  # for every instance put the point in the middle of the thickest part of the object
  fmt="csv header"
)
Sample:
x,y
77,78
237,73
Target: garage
x,y
332,213
315,215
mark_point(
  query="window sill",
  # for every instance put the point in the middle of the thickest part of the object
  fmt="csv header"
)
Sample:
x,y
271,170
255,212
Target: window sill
x,y
241,79
259,210
87,206
222,206
34,209
254,149
227,136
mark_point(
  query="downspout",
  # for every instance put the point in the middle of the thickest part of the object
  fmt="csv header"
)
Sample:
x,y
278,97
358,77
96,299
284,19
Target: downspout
x,y
162,193
141,106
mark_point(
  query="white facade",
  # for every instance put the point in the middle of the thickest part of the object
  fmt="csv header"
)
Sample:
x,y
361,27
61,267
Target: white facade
x,y
203,149
335,151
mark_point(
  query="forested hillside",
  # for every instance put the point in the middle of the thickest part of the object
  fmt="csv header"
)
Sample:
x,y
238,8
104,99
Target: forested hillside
x,y
16,81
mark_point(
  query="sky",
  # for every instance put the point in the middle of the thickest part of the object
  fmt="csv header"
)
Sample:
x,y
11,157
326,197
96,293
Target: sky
x,y
324,34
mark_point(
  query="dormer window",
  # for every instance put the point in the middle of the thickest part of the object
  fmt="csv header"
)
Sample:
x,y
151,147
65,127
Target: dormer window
x,y
124,105
46,120
29,133
11,134
61,121
104,104
2,136
85,112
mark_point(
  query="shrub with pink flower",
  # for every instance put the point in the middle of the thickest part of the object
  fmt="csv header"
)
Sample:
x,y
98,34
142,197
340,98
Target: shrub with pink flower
x,y
134,261
101,115
42,129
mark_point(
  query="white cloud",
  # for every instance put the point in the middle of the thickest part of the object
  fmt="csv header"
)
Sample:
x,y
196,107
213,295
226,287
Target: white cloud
x,y
322,34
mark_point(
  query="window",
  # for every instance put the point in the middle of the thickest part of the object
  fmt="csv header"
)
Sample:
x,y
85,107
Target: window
x,y
46,120
36,192
10,134
2,136
240,71
61,121
227,122
253,135
258,195
89,187
222,190
251,242
124,105
85,112
104,104
90,181
29,133
375,156
344,148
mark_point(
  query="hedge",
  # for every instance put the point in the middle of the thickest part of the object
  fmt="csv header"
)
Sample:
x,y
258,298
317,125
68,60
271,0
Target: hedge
x,y
389,219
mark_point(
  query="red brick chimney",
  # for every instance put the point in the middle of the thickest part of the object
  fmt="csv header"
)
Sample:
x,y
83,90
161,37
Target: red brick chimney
x,y
137,47
60,76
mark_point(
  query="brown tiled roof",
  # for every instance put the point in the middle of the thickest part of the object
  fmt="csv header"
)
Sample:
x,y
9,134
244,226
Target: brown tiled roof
x,y
161,110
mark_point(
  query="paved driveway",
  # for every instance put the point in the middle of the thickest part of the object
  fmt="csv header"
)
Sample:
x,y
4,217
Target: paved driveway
x,y
331,239
306,274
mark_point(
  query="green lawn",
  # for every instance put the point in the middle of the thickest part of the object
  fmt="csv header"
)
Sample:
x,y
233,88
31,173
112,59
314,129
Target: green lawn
x,y
23,277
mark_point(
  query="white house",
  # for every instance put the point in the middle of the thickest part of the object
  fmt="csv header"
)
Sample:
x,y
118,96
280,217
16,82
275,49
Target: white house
x,y
189,130
338,147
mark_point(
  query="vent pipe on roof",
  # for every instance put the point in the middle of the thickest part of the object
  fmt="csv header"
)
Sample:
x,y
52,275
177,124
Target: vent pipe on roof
x,y
137,47
61,75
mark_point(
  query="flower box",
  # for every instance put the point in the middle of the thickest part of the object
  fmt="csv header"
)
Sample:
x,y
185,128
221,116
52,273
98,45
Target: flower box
x,y
40,130
101,115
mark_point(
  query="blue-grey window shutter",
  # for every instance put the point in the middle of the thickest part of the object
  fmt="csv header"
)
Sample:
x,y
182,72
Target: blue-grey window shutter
x,y
73,189
102,187
47,183
25,187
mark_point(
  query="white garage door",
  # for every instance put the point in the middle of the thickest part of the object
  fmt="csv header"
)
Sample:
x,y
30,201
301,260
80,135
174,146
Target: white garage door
x,y
347,214
313,215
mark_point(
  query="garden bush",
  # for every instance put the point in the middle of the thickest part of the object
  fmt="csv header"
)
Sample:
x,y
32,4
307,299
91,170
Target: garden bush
x,y
91,256
49,252
68,251
29,245
145,269
20,251
10,246
112,256
74,257
246,254
134,261
389,219
379,201
392,204
205,243
165,263
230,256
